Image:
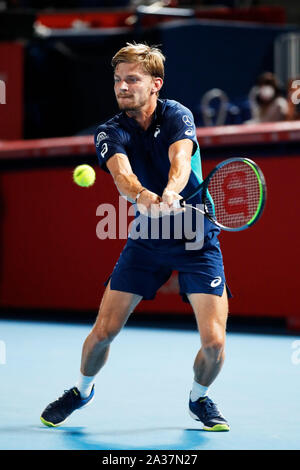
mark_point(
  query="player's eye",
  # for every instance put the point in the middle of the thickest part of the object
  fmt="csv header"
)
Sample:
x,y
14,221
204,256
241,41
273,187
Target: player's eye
x,y
132,79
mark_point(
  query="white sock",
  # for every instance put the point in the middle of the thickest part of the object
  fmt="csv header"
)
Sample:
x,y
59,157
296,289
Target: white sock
x,y
85,384
198,391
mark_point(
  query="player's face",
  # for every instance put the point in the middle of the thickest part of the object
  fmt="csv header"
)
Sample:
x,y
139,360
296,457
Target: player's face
x,y
133,86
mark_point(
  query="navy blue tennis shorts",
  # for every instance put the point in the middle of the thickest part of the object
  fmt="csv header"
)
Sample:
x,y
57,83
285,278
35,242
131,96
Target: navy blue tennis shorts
x,y
144,267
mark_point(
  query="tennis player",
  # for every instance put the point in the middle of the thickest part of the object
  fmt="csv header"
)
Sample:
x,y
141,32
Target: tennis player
x,y
151,150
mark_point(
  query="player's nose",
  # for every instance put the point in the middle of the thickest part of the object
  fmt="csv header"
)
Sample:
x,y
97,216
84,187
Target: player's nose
x,y
123,86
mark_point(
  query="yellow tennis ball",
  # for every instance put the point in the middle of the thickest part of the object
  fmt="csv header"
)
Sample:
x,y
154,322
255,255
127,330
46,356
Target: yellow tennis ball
x,y
84,175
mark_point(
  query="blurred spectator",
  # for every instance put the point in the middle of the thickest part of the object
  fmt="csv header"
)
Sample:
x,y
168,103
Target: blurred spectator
x,y
267,101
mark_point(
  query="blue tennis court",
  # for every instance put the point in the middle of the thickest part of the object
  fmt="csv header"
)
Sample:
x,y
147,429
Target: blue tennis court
x,y
142,392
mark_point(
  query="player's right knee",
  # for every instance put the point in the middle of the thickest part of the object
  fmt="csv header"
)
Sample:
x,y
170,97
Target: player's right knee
x,y
105,335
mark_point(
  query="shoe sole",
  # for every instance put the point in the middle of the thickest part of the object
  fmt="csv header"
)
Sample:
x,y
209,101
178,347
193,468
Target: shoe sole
x,y
52,425
215,428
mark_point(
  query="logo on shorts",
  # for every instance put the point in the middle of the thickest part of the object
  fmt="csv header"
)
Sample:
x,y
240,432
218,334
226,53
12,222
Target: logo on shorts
x,y
216,282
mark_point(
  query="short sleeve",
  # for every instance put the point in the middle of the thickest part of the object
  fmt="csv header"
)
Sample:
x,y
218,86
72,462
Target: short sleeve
x,y
108,142
181,125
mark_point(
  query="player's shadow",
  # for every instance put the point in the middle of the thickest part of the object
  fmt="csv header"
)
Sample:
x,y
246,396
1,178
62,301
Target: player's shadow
x,y
81,439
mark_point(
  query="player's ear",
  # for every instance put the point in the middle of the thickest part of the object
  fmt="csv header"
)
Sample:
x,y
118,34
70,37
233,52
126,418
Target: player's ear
x,y
157,84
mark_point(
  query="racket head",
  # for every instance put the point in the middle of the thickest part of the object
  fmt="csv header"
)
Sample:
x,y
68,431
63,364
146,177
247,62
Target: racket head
x,y
234,194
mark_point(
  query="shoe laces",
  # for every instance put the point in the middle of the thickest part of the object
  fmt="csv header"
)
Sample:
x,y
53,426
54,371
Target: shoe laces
x,y
67,399
210,409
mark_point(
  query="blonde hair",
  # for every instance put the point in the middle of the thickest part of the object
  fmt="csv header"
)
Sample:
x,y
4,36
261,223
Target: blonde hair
x,y
151,58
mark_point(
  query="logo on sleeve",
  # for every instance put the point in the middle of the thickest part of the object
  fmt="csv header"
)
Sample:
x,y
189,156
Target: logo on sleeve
x,y
187,120
189,132
101,136
104,150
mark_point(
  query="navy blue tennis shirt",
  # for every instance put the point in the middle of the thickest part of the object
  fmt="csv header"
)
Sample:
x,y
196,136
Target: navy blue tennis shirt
x,y
138,270
147,150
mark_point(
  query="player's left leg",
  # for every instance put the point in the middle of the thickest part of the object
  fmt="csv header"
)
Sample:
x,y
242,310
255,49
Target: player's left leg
x,y
211,313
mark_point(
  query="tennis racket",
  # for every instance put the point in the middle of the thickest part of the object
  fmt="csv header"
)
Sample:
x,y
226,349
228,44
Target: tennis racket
x,y
233,195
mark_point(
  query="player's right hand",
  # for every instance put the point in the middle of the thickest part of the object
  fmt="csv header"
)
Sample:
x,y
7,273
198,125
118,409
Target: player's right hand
x,y
149,204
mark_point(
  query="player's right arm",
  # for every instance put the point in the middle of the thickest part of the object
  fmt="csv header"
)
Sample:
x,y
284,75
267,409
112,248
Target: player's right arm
x,y
128,183
111,153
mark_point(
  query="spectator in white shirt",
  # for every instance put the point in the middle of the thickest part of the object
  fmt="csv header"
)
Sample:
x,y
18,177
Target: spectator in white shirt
x,y
267,101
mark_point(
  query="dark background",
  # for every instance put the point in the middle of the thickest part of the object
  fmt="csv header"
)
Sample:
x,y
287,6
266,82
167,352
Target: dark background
x,y
68,88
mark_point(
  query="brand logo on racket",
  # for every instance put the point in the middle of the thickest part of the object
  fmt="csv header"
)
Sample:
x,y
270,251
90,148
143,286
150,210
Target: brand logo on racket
x,y
235,193
216,282
187,120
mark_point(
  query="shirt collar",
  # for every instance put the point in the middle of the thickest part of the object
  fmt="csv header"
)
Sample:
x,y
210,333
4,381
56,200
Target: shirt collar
x,y
133,124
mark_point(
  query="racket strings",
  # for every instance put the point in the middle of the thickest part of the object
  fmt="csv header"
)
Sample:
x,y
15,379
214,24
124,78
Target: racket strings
x,y
236,194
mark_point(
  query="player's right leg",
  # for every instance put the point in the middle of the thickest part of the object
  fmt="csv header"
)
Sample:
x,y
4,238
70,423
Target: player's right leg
x,y
115,308
114,311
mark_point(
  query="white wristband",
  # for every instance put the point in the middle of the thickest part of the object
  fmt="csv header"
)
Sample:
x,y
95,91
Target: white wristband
x,y
176,204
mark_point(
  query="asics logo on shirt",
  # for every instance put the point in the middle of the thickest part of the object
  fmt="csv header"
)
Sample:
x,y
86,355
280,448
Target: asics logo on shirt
x,y
157,131
216,282
104,150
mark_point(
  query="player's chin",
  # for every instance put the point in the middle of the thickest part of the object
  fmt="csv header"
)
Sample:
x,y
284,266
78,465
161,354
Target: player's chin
x,y
124,104
128,108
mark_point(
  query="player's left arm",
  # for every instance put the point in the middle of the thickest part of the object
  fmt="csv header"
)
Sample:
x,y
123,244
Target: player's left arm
x,y
180,153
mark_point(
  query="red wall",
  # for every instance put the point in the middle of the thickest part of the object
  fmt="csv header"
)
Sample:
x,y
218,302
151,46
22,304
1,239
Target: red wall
x,y
52,258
